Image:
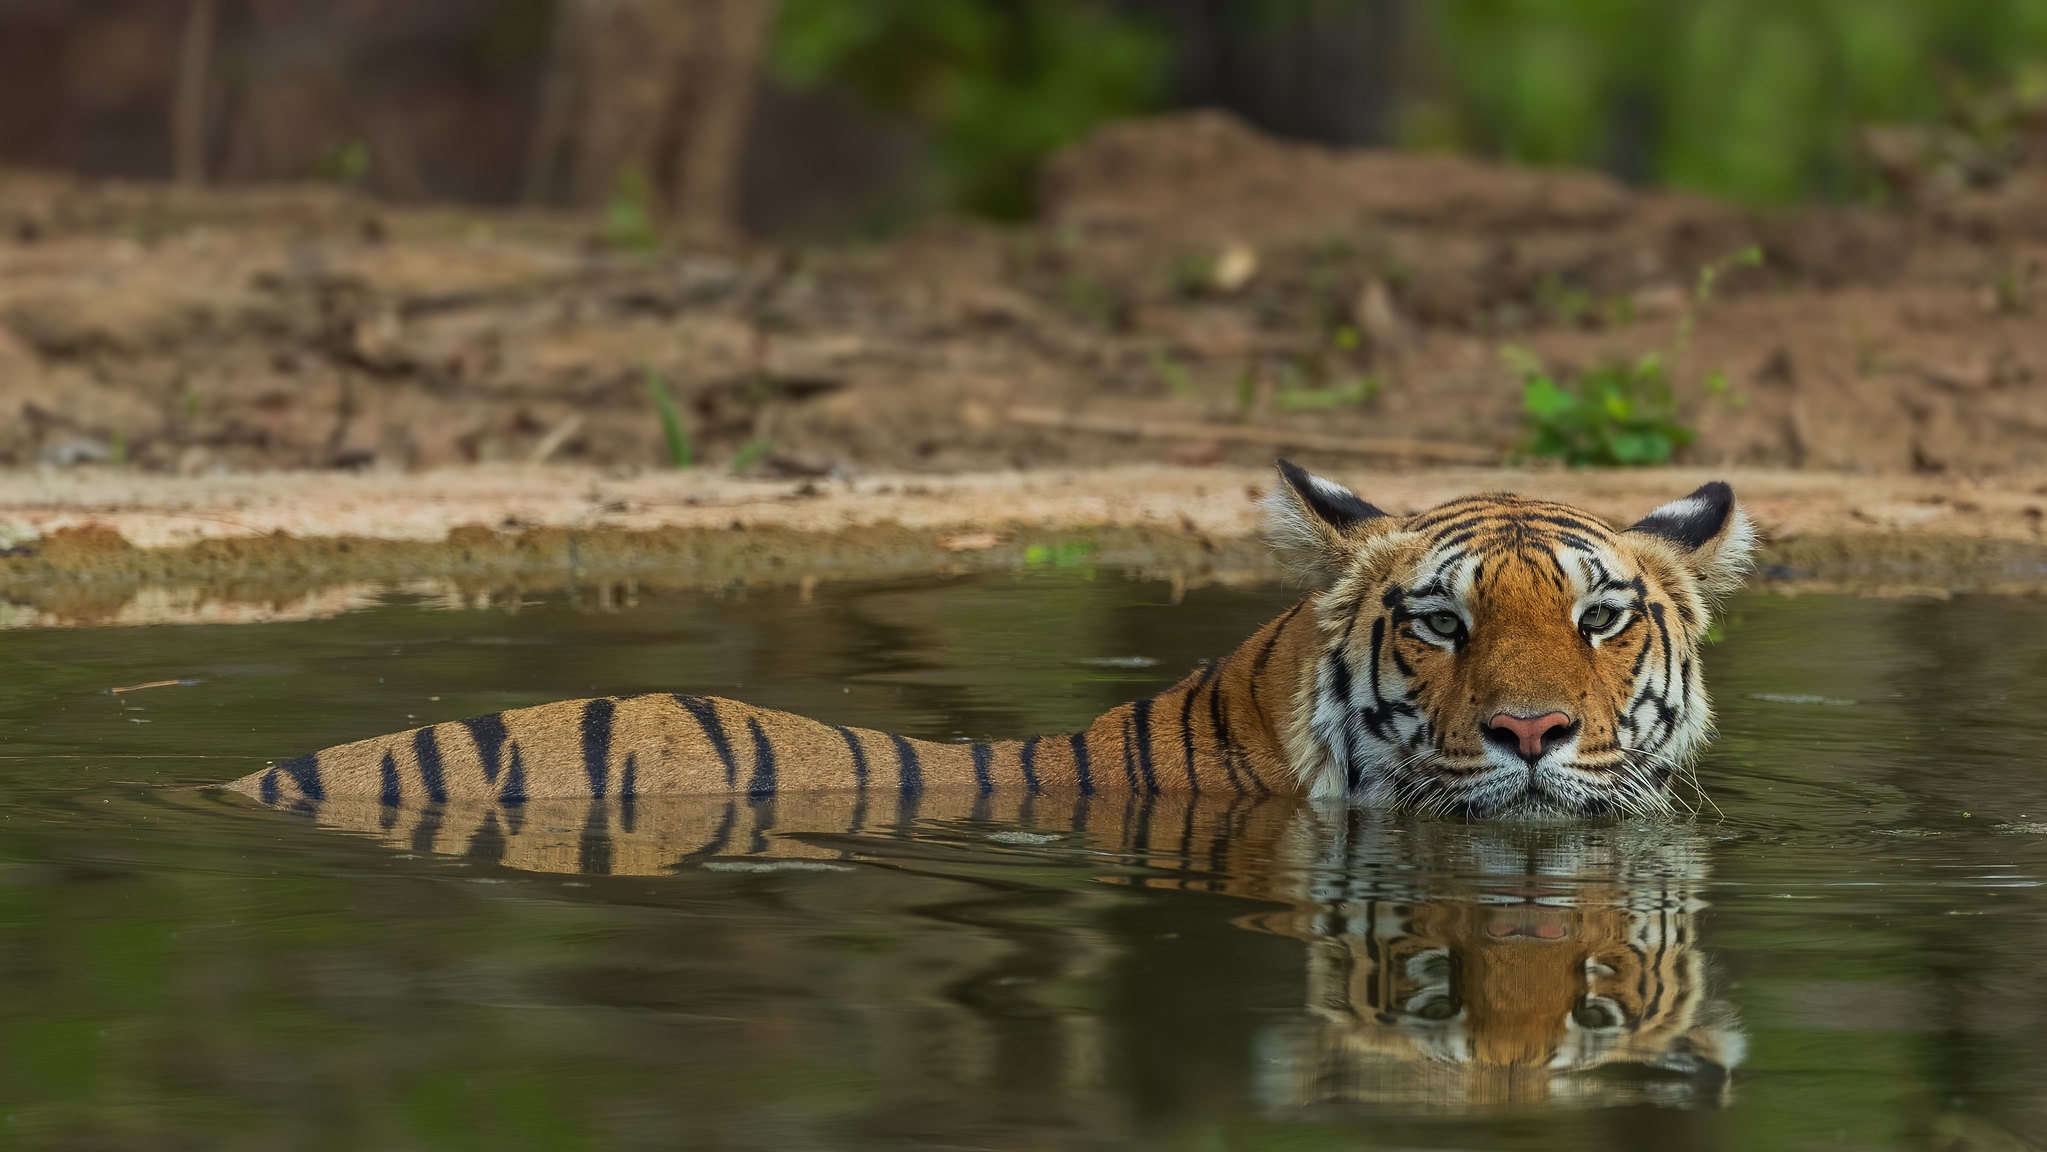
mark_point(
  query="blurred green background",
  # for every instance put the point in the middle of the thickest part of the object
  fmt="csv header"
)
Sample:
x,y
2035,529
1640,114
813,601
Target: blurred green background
x,y
834,116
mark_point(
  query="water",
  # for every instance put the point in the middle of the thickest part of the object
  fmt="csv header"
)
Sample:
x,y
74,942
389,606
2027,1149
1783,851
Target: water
x,y
1857,930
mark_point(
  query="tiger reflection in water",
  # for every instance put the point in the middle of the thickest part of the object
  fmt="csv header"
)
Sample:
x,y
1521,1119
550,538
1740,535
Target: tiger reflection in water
x,y
1486,965
1448,964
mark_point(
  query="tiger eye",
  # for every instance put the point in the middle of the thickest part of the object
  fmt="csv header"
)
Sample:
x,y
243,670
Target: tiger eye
x,y
1598,618
1444,624
1594,1014
1440,1008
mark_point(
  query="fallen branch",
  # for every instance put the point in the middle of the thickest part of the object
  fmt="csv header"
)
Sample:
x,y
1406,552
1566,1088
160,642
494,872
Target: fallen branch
x,y
1431,450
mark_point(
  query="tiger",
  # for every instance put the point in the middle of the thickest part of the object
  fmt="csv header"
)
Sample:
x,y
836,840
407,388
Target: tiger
x,y
1445,965
1497,656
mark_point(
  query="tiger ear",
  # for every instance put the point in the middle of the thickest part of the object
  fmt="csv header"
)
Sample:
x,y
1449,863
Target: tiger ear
x,y
1307,520
1716,539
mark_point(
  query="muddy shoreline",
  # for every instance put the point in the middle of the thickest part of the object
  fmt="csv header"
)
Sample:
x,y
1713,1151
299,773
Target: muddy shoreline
x,y
101,547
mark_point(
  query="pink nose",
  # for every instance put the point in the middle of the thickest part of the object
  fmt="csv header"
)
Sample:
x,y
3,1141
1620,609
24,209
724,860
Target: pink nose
x,y
1531,733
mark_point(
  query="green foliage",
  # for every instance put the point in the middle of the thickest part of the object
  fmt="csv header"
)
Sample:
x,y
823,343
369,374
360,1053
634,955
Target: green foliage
x,y
347,163
1294,396
629,214
1616,414
750,453
999,85
1072,554
1620,414
1756,99
680,453
1318,379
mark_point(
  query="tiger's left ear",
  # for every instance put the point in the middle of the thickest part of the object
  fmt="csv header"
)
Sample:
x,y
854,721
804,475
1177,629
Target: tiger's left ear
x,y
1308,521
1710,532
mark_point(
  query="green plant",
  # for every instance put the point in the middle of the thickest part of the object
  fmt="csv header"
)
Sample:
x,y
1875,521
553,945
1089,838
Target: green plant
x,y
1065,554
1296,397
1620,414
750,454
680,453
1316,380
2011,285
1175,374
1616,414
347,163
629,214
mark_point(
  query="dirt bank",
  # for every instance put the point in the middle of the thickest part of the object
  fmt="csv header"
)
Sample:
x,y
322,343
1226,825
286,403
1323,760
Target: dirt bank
x,y
102,547
1194,293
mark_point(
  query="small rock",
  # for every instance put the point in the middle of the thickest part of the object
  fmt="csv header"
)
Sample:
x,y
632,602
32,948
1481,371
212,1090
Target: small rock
x,y
1234,267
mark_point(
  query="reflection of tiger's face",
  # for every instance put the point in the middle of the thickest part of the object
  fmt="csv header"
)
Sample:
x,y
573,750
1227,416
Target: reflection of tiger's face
x,y
1497,989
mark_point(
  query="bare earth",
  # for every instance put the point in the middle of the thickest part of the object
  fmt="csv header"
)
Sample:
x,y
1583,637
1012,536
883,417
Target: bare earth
x,y
1192,293
240,404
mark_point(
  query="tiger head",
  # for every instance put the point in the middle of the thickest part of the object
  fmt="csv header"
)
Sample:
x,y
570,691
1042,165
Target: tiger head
x,y
1498,656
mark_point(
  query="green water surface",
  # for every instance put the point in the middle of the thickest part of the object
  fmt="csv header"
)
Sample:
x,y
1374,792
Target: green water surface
x,y
1853,931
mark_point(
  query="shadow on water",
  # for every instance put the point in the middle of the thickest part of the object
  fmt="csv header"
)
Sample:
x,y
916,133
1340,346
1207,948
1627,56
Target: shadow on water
x,y
1847,956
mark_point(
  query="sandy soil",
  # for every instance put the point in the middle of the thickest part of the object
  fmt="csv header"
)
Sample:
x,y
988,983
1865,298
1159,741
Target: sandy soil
x,y
97,546
1193,293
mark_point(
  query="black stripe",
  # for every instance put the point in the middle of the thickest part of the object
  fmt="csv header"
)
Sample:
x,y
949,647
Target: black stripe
x,y
1265,651
1080,766
593,848
305,772
1187,726
1339,687
597,742
426,748
629,791
1027,759
489,734
428,830
909,773
1228,742
387,775
982,778
706,714
1272,641
487,844
1129,758
267,792
762,786
721,837
513,793
859,757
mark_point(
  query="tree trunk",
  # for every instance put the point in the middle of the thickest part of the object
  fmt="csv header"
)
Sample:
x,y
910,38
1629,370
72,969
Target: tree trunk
x,y
188,104
711,141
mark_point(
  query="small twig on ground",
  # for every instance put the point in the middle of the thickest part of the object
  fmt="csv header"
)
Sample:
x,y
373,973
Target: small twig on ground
x,y
555,438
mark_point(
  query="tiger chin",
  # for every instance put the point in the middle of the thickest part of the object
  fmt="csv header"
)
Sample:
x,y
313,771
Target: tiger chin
x,y
1493,657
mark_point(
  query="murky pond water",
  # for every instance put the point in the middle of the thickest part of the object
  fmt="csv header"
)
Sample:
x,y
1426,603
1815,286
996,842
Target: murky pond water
x,y
1845,955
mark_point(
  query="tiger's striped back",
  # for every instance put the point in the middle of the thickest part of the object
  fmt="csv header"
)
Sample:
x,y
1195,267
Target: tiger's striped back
x,y
1212,732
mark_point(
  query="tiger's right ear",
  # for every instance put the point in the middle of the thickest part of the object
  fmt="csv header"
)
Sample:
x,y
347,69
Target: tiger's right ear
x,y
1308,520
